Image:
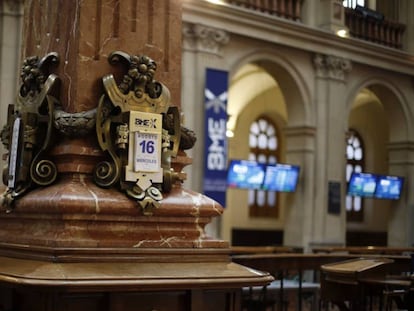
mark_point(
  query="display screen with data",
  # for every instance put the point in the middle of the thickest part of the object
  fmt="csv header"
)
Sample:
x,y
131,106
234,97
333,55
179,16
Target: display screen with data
x,y
375,186
281,177
389,187
245,174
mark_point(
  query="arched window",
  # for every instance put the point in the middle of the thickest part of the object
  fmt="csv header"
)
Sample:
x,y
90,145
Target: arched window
x,y
355,163
263,143
353,3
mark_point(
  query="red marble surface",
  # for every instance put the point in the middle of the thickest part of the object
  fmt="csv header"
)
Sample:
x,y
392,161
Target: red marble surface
x,y
74,213
84,33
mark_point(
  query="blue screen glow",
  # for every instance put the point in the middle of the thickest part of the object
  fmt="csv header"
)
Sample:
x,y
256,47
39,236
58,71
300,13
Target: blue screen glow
x,y
362,184
245,174
389,187
281,177
375,186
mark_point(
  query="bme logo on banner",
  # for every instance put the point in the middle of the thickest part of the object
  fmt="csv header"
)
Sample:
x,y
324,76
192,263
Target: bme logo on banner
x,y
215,149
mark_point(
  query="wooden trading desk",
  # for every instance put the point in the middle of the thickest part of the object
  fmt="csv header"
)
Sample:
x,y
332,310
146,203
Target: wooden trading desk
x,y
238,250
279,265
354,280
375,250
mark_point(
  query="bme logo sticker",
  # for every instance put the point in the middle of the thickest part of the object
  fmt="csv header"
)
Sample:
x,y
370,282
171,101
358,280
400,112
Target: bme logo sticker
x,y
149,123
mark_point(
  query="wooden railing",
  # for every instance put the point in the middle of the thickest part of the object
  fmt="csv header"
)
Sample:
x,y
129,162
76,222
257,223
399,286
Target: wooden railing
x,y
374,29
289,9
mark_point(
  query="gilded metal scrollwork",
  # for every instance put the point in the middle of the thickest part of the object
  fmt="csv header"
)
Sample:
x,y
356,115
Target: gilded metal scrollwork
x,y
139,131
29,129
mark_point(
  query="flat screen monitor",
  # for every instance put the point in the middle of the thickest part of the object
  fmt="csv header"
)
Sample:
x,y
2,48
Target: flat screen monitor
x,y
245,174
362,185
281,177
389,187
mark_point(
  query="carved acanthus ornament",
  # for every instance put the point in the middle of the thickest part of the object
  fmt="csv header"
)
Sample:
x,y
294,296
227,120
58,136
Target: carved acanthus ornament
x,y
204,39
333,67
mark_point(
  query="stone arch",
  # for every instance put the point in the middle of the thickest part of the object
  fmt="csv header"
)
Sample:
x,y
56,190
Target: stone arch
x,y
296,93
394,104
268,70
390,156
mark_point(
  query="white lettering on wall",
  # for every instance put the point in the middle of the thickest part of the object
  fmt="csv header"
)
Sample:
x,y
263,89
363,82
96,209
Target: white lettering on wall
x,y
216,157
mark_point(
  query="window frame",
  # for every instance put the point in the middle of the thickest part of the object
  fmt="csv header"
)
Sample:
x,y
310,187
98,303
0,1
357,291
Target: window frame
x,y
266,210
353,215
353,3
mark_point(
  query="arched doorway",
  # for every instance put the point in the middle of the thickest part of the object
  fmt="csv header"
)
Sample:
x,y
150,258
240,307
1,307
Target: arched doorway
x,y
380,117
260,89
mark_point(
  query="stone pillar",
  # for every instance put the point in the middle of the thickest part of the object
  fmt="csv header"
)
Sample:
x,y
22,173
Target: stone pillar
x,y
405,12
202,48
10,31
330,153
300,149
332,15
400,225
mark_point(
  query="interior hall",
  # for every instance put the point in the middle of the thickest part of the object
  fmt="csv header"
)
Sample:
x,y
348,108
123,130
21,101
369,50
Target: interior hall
x,y
320,89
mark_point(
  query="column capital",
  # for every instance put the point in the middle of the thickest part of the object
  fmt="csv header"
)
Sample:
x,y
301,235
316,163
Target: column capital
x,y
201,38
12,6
331,67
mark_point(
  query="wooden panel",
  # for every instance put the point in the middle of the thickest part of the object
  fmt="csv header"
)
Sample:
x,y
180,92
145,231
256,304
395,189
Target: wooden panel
x,y
363,238
250,237
160,301
180,300
219,301
82,302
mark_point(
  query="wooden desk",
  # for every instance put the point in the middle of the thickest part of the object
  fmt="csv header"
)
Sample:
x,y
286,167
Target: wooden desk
x,y
238,250
124,286
375,250
393,288
346,281
280,264
281,291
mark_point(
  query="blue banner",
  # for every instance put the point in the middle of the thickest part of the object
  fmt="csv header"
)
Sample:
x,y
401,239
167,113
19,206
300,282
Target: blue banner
x,y
215,148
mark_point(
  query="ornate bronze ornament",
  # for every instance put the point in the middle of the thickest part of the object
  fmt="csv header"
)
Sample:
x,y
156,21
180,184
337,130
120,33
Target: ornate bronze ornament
x,y
28,132
139,131
75,124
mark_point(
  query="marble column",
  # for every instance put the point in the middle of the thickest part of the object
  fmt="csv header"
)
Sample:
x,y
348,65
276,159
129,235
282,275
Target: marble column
x,y
86,243
84,33
74,212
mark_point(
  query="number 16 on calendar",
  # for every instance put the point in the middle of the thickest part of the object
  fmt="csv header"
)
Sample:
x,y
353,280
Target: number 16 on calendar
x,y
147,152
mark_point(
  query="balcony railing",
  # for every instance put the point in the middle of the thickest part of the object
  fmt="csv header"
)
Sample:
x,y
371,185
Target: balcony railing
x,y
373,28
289,9
365,25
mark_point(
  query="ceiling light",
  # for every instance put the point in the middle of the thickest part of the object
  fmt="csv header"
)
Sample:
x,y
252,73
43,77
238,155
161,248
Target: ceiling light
x,y
216,1
342,33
